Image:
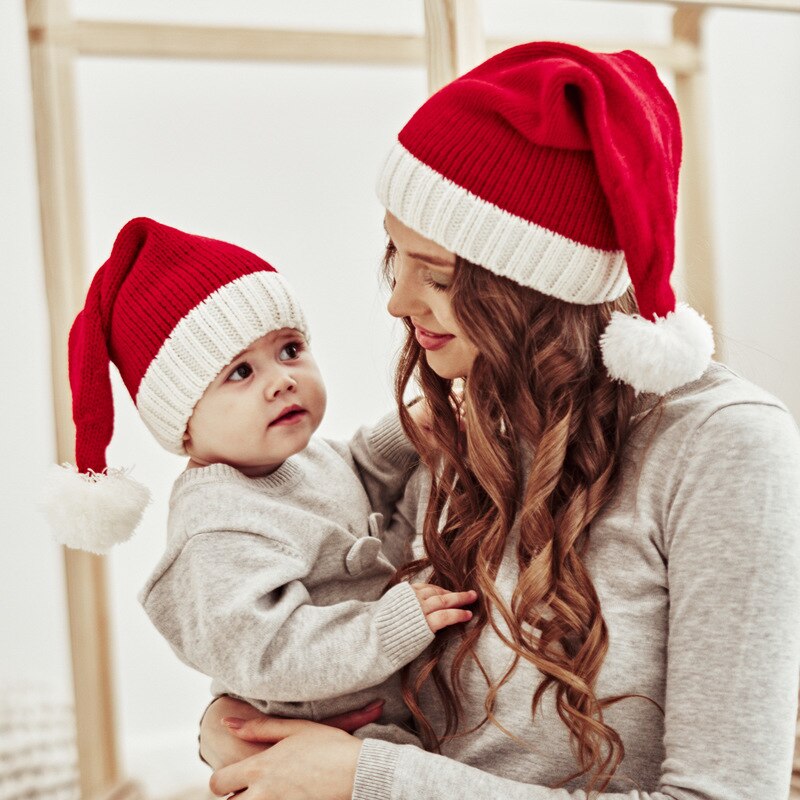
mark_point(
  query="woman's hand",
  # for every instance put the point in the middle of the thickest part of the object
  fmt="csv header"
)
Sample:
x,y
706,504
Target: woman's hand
x,y
304,761
218,746
221,744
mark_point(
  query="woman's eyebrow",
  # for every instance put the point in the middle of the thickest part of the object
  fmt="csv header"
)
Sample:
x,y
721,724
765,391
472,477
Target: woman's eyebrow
x,y
437,260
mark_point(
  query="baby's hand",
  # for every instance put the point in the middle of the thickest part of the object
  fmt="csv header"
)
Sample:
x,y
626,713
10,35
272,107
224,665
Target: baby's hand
x,y
421,414
442,608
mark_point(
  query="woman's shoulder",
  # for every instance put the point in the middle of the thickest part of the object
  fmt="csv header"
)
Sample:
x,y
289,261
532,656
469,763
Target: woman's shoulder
x,y
720,396
721,421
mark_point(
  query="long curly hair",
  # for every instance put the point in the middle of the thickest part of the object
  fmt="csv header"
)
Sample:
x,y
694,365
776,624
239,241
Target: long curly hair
x,y
534,436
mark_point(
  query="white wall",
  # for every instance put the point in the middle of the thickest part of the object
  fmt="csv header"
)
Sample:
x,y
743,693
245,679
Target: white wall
x,y
282,159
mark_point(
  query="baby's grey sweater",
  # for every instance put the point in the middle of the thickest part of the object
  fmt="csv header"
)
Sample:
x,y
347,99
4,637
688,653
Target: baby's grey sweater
x,y
696,562
273,586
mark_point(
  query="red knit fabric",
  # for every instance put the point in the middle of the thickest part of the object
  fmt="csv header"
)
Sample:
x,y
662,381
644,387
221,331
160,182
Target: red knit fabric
x,y
584,144
129,313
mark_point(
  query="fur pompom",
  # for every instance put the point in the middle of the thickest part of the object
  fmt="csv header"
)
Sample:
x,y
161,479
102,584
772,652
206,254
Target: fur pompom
x,y
93,511
657,356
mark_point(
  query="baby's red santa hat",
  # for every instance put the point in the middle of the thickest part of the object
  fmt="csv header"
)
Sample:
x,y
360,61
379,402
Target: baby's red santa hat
x,y
170,310
558,168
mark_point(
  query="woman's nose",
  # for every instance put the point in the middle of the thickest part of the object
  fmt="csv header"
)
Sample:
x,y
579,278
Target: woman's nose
x,y
404,300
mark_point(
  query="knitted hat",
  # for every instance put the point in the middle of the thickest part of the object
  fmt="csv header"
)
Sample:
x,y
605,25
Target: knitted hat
x,y
558,168
170,310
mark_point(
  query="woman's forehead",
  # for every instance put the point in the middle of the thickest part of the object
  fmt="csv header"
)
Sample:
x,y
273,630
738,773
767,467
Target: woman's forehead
x,y
415,244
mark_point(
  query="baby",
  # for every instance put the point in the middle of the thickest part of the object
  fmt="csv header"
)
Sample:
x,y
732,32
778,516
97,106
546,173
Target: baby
x,y
273,577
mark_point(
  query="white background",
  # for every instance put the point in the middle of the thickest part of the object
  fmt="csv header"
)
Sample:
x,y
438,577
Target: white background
x,y
282,159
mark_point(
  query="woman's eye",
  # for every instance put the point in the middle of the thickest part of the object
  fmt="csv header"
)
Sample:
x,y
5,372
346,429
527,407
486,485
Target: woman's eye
x,y
240,372
290,351
436,281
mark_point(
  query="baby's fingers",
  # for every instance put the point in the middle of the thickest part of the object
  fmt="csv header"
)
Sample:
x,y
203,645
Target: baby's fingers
x,y
445,609
426,590
451,616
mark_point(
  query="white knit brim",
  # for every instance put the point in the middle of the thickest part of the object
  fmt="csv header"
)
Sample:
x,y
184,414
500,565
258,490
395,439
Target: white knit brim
x,y
204,342
486,235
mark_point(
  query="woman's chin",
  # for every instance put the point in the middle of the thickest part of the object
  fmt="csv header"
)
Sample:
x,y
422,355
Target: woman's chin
x,y
449,369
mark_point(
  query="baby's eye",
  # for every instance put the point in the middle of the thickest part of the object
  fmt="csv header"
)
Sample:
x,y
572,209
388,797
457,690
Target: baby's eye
x,y
290,351
240,372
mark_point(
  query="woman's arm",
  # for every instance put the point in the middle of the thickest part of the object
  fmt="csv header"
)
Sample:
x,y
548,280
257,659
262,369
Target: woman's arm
x,y
220,745
733,526
733,529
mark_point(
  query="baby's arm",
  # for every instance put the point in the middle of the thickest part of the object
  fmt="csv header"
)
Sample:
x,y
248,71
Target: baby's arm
x,y
384,460
233,605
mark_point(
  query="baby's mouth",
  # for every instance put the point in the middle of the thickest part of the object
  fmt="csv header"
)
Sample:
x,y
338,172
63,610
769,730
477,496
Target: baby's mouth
x,y
289,416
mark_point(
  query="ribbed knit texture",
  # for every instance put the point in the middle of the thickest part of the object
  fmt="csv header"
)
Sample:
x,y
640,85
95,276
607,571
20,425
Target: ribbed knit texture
x,y
492,237
551,138
375,773
400,603
204,342
165,273
696,564
156,278
495,156
291,565
388,440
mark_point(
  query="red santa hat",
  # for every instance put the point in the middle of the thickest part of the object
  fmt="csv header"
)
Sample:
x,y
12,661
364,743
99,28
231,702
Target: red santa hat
x,y
170,310
558,168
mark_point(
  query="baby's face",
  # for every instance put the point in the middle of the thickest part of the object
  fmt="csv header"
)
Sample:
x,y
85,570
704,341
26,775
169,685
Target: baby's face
x,y
261,409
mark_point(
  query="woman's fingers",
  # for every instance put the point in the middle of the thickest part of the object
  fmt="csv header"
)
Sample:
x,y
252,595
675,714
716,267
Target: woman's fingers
x,y
265,729
312,760
227,780
218,744
353,720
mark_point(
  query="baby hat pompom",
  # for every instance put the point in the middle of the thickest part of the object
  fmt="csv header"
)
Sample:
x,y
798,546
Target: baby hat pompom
x,y
170,309
93,511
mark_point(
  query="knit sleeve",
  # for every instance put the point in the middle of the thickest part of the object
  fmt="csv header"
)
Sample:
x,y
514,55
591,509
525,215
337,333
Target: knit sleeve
x,y
732,535
385,459
234,606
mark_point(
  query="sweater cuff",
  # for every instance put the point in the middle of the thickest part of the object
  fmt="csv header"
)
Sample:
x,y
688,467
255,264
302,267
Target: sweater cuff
x,y
389,440
375,770
402,626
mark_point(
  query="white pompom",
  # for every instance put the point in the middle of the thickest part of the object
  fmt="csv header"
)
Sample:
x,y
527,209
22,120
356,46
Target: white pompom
x,y
657,356
92,511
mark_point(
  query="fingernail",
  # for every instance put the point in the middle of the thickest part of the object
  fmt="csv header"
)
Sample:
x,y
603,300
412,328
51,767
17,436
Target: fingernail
x,y
233,722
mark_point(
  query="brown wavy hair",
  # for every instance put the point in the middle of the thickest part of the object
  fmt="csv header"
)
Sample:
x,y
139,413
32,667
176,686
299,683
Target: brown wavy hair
x,y
534,436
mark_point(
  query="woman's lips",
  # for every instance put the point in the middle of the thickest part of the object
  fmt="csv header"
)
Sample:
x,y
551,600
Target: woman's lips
x,y
432,341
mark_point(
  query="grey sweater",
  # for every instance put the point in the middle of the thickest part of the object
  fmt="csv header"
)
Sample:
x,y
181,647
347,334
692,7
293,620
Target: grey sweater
x,y
697,565
273,586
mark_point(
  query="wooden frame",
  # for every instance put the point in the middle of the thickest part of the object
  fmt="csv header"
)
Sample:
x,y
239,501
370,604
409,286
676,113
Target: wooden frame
x,y
453,42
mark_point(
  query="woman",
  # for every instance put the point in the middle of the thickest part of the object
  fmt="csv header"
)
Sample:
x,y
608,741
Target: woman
x,y
626,509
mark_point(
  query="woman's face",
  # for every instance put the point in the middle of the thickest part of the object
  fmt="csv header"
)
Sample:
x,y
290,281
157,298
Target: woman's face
x,y
423,273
